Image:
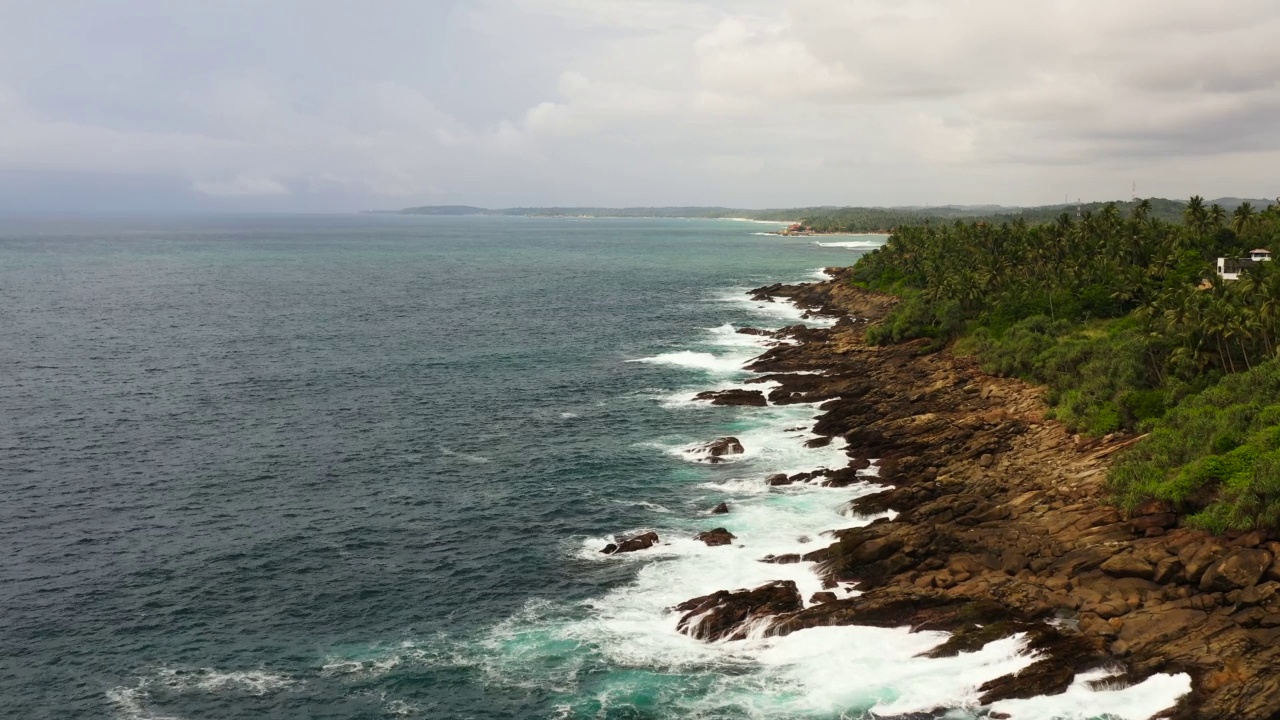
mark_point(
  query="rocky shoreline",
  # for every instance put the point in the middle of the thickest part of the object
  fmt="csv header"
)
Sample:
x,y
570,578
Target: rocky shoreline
x,y
1002,527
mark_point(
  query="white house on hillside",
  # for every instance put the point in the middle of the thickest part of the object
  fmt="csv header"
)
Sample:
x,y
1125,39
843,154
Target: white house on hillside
x,y
1230,268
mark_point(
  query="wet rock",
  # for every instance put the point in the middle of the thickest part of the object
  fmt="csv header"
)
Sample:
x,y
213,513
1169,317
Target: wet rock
x,y
735,397
818,442
824,596
716,537
1240,569
754,331
778,480
643,541
787,559
721,509
728,615
720,447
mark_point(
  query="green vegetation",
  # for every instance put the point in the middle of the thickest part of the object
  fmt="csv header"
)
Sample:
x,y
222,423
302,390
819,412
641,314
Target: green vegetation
x,y
1126,321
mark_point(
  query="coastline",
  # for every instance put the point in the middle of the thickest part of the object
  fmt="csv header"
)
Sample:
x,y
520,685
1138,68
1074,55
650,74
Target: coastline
x,y
1002,529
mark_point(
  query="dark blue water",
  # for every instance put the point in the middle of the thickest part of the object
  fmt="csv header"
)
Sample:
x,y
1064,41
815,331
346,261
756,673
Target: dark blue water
x,y
237,453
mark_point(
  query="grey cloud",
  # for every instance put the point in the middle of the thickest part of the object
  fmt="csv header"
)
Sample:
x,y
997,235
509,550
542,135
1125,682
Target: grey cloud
x,y
326,105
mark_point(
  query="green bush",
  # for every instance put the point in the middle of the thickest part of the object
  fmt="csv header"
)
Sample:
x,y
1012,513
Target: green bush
x,y
1216,455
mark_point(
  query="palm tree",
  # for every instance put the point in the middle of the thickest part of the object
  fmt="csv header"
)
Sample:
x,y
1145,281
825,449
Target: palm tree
x,y
1217,215
1243,219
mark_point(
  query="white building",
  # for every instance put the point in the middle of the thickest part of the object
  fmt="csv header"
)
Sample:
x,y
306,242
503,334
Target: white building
x,y
1230,268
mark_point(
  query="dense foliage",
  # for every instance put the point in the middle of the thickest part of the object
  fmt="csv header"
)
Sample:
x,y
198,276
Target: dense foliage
x,y
1126,321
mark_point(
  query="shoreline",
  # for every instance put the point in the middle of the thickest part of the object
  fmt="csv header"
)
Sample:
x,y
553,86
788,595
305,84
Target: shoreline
x,y
1002,529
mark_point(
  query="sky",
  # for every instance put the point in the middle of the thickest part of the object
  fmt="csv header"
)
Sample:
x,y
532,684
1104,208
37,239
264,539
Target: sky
x,y
327,106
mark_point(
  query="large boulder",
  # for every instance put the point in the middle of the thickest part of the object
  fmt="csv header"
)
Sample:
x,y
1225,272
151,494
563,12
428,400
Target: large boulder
x,y
719,536
730,615
717,449
750,398
1128,565
1240,569
643,541
721,509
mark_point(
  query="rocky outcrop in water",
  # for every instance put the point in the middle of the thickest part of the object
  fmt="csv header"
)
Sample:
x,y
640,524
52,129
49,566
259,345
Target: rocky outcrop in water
x,y
643,541
731,615
1003,527
717,537
737,397
717,449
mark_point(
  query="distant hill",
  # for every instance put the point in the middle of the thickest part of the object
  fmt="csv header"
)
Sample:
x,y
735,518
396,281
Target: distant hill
x,y
441,210
830,218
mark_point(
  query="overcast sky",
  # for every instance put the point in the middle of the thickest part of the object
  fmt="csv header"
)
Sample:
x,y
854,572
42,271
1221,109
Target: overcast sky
x,y
320,105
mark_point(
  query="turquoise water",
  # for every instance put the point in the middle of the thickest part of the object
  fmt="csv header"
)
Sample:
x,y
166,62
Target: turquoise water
x,y
360,467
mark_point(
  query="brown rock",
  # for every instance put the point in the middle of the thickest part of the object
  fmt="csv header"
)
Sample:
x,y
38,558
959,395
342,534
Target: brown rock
x,y
716,537
822,597
1197,558
729,615
721,509
788,559
643,541
778,480
1152,507
718,448
1128,565
1163,520
1240,569
1167,570
735,397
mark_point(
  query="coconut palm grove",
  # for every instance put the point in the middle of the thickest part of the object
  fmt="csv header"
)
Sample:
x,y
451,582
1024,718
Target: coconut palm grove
x,y
1124,317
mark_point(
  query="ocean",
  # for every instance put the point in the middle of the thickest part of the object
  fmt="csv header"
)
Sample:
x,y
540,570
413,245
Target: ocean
x,y
362,467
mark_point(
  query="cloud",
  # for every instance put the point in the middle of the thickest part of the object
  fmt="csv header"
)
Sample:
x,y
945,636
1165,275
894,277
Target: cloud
x,y
746,102
241,185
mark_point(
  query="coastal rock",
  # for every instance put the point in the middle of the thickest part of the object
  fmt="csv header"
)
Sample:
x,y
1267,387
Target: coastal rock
x,y
644,541
824,596
720,447
736,397
721,509
1128,565
787,559
994,519
716,537
778,480
730,615
754,331
1241,569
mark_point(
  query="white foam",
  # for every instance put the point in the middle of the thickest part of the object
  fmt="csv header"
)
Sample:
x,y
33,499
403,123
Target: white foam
x,y
687,398
1080,702
863,241
729,336
778,310
705,361
821,275
130,702
568,415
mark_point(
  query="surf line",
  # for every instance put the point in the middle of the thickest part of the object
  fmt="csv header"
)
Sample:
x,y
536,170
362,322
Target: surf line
x,y
744,622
